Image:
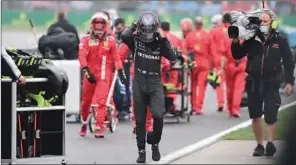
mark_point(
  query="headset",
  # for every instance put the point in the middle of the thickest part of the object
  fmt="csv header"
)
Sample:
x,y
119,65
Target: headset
x,y
274,23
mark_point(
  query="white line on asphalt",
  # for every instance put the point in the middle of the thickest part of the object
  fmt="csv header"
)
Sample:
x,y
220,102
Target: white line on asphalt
x,y
208,141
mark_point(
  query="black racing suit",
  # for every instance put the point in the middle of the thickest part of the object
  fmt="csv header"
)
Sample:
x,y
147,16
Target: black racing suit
x,y
147,87
264,69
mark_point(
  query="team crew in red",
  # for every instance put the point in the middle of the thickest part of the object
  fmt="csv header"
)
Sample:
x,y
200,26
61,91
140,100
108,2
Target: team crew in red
x,y
186,26
123,53
235,81
199,41
97,57
218,55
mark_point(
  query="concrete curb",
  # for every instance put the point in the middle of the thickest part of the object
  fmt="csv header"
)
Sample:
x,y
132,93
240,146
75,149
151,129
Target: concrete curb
x,y
208,141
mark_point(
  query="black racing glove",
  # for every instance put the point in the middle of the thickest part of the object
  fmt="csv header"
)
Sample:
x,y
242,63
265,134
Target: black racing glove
x,y
90,77
233,32
122,76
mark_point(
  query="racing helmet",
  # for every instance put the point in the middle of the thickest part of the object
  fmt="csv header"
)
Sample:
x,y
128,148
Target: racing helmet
x,y
217,20
99,23
57,78
147,24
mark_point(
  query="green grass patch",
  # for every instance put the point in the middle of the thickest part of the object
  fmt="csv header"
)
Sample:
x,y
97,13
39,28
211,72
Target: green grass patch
x,y
247,133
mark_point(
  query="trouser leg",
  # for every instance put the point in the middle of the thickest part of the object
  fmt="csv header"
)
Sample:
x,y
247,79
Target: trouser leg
x,y
140,98
87,95
229,89
101,94
202,85
238,90
220,90
156,104
194,89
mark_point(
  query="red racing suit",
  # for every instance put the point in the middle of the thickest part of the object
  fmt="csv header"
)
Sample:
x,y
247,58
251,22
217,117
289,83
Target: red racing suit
x,y
123,52
100,56
235,81
199,42
218,51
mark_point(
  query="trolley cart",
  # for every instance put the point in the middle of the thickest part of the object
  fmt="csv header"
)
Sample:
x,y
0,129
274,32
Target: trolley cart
x,y
46,132
111,116
183,111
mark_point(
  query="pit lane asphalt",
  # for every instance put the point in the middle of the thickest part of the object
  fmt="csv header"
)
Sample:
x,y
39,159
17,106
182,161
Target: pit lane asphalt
x,y
120,147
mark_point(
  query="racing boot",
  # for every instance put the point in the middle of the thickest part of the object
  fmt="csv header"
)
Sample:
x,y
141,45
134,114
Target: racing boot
x,y
83,130
235,112
155,152
235,115
220,109
198,112
99,132
142,156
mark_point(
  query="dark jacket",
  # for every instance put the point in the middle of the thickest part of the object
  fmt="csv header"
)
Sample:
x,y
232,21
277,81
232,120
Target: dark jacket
x,y
66,26
55,39
264,58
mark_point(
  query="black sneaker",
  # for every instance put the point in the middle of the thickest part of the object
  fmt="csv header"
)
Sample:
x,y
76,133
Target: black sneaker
x,y
220,109
259,150
142,156
270,149
155,152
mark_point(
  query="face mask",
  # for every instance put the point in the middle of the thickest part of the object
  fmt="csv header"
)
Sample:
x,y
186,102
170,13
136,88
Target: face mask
x,y
264,29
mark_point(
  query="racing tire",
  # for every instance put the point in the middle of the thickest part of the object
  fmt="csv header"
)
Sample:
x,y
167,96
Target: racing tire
x,y
112,122
92,123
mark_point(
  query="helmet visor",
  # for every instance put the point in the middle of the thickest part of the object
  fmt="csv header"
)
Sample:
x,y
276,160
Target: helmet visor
x,y
146,37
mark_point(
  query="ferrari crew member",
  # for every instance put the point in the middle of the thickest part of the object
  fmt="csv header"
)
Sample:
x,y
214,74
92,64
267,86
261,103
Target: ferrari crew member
x,y
219,49
198,41
235,81
97,57
186,26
